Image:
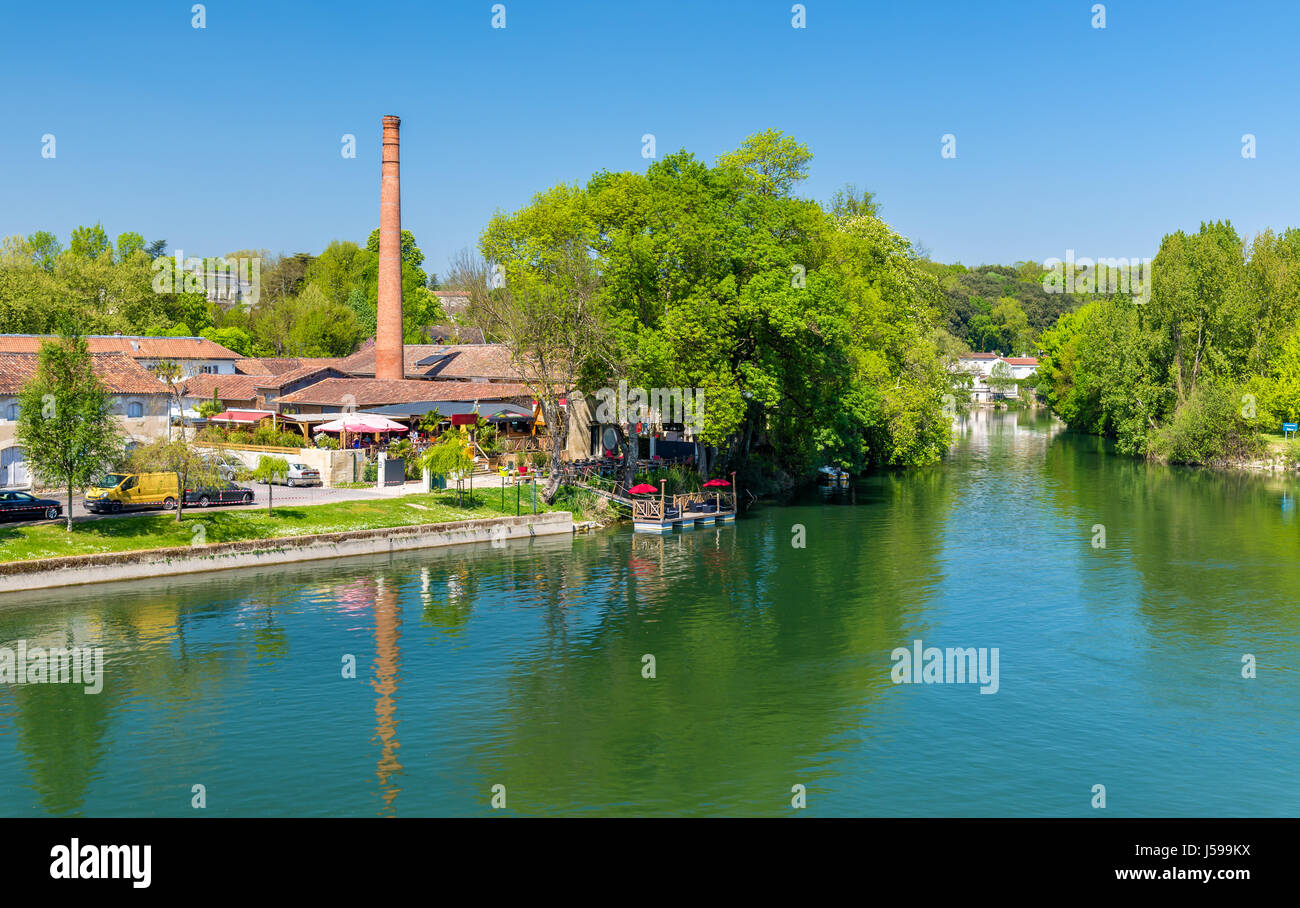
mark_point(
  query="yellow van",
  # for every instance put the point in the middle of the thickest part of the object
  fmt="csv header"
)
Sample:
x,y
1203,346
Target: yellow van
x,y
130,491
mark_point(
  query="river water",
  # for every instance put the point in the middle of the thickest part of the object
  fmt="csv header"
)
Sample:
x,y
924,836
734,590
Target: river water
x,y
1120,661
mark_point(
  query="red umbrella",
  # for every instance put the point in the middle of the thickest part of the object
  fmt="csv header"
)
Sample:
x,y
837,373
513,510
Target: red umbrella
x,y
716,484
642,489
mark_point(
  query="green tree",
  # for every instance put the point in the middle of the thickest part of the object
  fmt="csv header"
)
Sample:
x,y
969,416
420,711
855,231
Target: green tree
x,y
128,244
193,467
64,421
449,457
90,242
270,470
776,161
45,249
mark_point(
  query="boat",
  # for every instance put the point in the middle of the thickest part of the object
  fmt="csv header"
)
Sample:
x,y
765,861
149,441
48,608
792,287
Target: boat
x,y
832,477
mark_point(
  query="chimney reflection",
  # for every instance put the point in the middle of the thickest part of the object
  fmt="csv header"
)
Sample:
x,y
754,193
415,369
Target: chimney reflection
x,y
384,681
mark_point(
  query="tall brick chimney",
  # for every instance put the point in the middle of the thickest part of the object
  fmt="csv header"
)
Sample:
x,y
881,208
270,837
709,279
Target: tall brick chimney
x,y
388,335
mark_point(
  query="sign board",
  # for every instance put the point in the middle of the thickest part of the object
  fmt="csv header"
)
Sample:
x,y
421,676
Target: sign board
x,y
1289,427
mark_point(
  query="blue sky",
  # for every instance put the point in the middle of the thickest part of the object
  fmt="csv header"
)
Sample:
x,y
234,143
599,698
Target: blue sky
x,y
1067,137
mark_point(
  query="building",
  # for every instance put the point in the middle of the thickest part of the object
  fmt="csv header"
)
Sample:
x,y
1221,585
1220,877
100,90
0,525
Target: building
x,y
194,355
139,401
984,384
342,395
442,362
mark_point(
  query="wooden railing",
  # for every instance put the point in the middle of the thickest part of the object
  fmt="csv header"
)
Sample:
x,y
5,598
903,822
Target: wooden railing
x,y
268,448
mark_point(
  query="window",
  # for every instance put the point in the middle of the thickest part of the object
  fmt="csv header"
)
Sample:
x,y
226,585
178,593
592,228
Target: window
x,y
135,409
208,370
11,412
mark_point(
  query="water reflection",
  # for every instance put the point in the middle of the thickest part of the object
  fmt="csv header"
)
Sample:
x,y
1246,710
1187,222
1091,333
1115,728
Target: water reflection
x,y
523,665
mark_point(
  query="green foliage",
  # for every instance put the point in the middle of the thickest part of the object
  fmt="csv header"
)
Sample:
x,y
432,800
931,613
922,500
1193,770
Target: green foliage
x,y
450,456
1194,375
1207,428
64,422
270,469
810,333
90,242
193,467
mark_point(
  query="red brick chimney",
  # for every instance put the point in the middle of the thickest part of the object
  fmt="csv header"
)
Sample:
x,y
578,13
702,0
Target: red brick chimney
x,y
388,335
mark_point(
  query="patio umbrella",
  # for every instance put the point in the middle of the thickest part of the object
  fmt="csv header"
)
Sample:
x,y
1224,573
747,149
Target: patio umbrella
x,y
642,489
716,484
362,422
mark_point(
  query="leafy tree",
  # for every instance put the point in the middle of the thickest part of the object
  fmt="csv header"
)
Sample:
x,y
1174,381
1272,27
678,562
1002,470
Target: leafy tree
x,y
449,457
192,466
270,470
90,242
128,244
230,337
45,249
776,161
65,424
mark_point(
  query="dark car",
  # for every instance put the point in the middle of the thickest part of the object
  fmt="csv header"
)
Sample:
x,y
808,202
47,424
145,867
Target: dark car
x,y
222,493
25,506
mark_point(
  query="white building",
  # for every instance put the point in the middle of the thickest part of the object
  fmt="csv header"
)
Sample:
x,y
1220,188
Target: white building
x,y
980,367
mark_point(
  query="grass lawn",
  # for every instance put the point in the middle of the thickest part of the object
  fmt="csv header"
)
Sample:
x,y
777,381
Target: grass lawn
x,y
160,530
1276,441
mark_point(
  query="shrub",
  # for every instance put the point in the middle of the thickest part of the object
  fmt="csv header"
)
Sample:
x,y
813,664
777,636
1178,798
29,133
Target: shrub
x,y
1209,427
371,472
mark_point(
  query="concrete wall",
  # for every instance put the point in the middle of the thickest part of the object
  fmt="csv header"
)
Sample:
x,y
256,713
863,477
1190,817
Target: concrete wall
x,y
44,573
335,467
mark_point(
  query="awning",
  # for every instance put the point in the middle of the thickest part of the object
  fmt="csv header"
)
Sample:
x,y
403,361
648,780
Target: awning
x,y
241,416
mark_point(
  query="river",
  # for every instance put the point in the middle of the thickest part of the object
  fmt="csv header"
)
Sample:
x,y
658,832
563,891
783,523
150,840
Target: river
x,y
1120,661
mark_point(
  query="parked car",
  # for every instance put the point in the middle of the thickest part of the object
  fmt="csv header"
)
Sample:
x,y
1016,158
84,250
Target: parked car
x,y
299,475
133,491
25,506
228,469
224,493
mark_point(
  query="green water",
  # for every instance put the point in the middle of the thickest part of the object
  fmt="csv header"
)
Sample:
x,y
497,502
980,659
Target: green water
x,y
522,666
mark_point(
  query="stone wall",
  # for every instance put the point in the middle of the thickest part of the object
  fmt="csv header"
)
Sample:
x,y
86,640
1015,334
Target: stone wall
x,y
43,573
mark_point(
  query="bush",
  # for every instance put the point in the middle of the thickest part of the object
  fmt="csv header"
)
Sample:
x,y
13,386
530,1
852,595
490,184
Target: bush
x,y
1208,428
327,442
371,472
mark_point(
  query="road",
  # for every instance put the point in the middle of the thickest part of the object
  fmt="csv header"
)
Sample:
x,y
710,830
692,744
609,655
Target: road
x,y
283,495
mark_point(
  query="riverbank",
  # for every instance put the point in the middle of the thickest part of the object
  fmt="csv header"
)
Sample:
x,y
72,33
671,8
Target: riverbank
x,y
45,573
199,527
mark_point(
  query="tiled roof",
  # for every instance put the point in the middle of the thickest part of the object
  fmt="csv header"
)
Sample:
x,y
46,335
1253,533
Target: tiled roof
x,y
1020,360
120,374
278,365
373,392
310,368
228,387
443,361
131,345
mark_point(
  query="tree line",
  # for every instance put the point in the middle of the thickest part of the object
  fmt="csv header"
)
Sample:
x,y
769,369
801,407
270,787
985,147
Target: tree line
x,y
307,305
810,327
1195,374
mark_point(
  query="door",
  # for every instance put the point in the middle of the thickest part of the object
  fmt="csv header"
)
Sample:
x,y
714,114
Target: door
x,y
13,467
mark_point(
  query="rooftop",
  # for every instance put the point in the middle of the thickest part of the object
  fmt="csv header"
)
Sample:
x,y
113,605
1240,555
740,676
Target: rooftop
x,y
375,392
120,374
129,344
